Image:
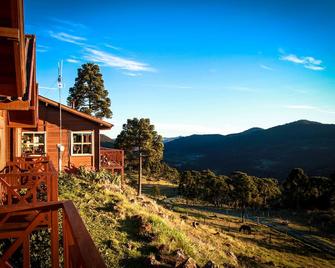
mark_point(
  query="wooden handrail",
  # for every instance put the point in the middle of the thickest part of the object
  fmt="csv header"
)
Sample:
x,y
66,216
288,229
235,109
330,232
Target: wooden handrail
x,y
37,177
79,248
10,33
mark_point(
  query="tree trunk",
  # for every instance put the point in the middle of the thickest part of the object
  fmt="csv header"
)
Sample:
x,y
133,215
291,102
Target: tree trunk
x,y
139,186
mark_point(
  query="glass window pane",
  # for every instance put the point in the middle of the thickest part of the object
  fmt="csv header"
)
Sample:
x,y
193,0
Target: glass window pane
x,y
39,149
87,148
77,137
28,149
33,143
77,149
39,138
27,138
87,138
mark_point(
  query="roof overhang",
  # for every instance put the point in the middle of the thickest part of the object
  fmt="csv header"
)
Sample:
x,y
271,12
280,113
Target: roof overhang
x,y
102,124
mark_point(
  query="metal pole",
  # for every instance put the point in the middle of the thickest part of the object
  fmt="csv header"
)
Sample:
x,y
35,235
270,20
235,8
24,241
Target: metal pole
x,y
139,189
60,85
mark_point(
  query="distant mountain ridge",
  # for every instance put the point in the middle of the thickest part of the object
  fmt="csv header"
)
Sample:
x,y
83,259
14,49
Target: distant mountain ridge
x,y
269,152
106,141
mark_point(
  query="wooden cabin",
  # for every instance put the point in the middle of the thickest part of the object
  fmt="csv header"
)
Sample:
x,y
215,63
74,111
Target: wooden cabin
x,y
29,185
80,136
18,87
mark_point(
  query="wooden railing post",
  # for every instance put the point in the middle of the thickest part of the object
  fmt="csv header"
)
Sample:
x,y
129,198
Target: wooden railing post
x,y
26,252
54,238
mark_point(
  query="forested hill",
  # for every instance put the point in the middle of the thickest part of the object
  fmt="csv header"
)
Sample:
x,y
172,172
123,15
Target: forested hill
x,y
269,152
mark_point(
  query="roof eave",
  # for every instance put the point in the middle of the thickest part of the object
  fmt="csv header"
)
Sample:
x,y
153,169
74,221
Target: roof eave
x,y
102,124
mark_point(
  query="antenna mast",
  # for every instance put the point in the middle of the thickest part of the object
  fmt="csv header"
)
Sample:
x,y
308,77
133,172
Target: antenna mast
x,y
60,86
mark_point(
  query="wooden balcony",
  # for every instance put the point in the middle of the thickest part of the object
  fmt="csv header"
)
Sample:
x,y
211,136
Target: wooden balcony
x,y
12,50
78,247
18,87
113,160
29,202
28,181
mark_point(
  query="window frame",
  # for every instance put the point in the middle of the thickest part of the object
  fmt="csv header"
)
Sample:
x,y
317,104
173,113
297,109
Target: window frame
x,y
82,143
35,132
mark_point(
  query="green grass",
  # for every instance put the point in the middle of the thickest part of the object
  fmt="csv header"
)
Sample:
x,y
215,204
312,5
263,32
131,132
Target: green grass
x,y
107,213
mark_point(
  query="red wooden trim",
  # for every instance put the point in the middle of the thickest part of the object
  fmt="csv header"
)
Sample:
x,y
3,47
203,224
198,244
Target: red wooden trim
x,y
82,239
12,33
103,124
54,239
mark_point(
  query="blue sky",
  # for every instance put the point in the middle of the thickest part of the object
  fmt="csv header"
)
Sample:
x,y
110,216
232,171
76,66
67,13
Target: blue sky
x,y
194,66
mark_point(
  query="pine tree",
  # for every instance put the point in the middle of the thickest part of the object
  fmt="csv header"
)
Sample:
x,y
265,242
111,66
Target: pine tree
x,y
88,94
139,136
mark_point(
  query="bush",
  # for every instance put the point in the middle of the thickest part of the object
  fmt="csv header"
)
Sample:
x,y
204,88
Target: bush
x,y
98,176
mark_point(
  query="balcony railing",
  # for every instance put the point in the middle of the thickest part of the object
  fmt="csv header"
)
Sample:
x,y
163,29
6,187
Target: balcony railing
x,y
112,159
28,202
78,247
28,181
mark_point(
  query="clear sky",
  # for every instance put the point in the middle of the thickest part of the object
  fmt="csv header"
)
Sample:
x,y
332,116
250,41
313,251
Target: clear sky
x,y
194,66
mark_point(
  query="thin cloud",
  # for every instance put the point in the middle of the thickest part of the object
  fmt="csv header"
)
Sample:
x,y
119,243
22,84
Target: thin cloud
x,y
132,74
263,66
69,23
111,60
65,37
314,68
41,48
113,47
309,107
72,60
308,62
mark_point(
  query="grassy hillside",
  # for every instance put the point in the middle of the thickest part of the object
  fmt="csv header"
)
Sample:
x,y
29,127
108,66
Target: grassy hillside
x,y
112,218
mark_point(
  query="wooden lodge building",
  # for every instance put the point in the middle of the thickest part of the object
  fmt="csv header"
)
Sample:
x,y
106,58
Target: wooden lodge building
x,y
80,136
29,134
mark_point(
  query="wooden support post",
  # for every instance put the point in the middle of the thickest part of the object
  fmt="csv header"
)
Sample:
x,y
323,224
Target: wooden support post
x,y
139,186
66,242
122,170
26,252
54,238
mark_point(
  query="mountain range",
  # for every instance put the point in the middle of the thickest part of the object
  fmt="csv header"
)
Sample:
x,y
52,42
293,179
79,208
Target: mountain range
x,y
261,152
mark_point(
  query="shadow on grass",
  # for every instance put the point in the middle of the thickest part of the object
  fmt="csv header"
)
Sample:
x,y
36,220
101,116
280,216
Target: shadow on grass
x,y
301,249
252,262
131,227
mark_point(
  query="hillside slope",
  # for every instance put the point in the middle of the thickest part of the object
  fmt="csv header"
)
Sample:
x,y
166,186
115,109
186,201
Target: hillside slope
x,y
269,152
112,217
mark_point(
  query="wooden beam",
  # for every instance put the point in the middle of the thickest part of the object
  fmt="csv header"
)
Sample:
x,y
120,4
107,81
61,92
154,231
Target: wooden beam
x,y
7,89
10,33
19,47
15,105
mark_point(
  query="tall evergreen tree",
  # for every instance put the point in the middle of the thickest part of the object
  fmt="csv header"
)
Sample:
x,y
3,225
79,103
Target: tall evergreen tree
x,y
295,187
139,136
88,94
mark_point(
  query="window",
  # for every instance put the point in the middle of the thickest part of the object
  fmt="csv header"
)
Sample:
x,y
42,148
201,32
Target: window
x,y
82,143
33,143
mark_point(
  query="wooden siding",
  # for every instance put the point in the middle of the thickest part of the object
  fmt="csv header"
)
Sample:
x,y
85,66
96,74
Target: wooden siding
x,y
3,142
49,123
